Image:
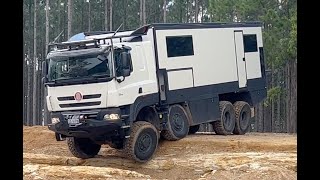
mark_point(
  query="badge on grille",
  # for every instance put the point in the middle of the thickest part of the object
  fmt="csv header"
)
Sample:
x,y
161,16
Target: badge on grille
x,y
78,96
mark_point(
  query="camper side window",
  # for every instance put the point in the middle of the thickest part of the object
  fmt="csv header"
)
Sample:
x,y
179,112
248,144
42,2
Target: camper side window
x,y
179,46
250,43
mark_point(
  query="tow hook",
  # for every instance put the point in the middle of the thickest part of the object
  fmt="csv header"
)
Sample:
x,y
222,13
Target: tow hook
x,y
60,137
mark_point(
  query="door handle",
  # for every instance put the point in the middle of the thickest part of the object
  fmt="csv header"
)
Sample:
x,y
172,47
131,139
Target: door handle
x,y
244,59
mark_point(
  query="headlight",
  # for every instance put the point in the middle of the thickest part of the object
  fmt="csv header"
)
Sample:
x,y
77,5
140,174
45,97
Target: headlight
x,y
55,120
111,116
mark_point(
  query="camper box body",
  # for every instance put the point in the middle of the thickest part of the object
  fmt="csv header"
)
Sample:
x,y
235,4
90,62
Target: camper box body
x,y
195,70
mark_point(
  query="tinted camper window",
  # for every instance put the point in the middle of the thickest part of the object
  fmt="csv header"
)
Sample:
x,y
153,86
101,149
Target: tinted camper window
x,y
250,43
179,46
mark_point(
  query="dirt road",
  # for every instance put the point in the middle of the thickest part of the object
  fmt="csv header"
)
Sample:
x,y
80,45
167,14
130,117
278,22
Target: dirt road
x,y
201,156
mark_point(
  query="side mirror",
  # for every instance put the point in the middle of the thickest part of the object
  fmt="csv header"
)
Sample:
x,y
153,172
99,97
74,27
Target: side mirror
x,y
126,72
44,80
126,64
44,68
44,72
124,59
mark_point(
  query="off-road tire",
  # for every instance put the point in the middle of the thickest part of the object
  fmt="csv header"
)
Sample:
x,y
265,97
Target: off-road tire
x,y
225,125
243,115
143,135
194,129
83,148
177,125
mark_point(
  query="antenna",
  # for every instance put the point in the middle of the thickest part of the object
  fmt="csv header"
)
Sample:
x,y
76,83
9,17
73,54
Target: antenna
x,y
57,37
112,53
117,30
48,49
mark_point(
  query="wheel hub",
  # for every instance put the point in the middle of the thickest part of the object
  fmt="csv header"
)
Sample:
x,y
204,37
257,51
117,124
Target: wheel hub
x,y
177,122
227,119
244,120
144,143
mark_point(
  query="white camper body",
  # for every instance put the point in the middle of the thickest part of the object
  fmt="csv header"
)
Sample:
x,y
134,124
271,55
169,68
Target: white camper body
x,y
201,68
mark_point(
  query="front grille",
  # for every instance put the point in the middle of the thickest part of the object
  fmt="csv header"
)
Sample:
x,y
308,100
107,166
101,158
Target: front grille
x,y
89,96
89,114
80,104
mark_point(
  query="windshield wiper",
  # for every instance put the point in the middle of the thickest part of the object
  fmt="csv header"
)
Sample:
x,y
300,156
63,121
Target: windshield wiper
x,y
50,82
78,79
100,75
54,81
62,78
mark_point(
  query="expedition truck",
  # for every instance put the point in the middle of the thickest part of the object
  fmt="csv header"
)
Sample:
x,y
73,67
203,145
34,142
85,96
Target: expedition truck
x,y
127,89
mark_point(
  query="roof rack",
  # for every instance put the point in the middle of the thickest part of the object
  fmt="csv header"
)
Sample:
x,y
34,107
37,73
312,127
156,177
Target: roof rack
x,y
74,45
91,33
85,44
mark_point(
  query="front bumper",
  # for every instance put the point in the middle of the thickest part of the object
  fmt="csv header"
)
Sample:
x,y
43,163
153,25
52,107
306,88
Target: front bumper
x,y
87,128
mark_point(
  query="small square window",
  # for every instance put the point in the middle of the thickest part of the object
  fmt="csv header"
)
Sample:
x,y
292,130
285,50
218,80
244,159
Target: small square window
x,y
250,43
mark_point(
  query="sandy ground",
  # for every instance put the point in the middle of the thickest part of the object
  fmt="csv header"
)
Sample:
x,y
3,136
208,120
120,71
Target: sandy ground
x,y
202,156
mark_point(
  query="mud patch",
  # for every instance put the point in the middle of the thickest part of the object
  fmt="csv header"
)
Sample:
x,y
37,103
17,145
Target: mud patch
x,y
200,156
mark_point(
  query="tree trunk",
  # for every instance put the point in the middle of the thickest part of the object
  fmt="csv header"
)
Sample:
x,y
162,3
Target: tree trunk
x,y
125,5
267,119
261,117
30,93
283,105
278,117
39,95
293,98
101,17
272,104
287,97
46,51
106,8
69,18
111,18
47,25
144,12
34,112
89,17
59,16
256,117
290,99
25,72
196,11
295,102
30,37
164,11
187,11
202,7
82,14
190,12
25,90
153,14
141,12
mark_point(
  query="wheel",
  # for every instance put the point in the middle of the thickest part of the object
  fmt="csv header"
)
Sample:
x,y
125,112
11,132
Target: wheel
x,y
194,129
243,115
83,148
177,125
143,141
226,123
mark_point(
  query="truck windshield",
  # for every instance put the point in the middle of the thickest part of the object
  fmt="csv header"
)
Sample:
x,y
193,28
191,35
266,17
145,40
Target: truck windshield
x,y
80,67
